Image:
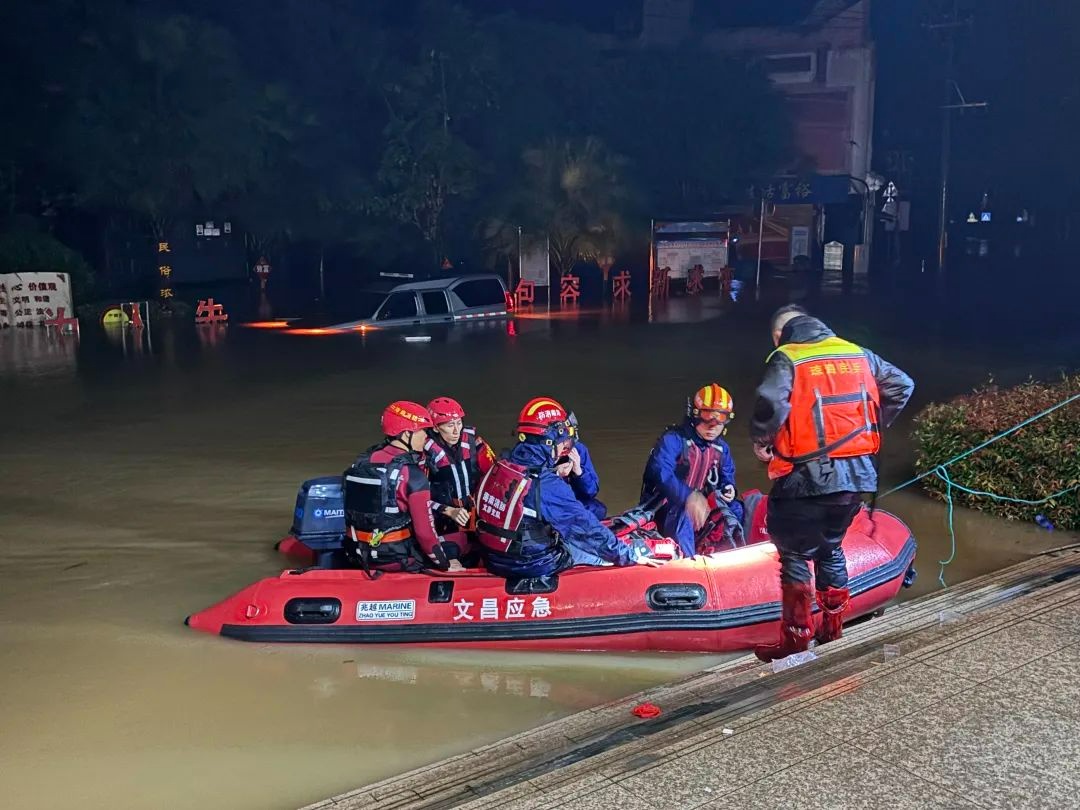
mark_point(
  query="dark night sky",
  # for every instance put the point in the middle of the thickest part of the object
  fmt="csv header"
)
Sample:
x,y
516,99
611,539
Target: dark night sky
x,y
1021,58
608,15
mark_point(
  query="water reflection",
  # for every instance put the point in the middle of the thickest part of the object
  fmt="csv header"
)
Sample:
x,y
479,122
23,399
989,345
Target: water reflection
x,y
689,309
514,682
130,340
34,351
212,335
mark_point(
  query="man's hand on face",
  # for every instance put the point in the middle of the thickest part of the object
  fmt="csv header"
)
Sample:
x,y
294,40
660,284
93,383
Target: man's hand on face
x,y
575,461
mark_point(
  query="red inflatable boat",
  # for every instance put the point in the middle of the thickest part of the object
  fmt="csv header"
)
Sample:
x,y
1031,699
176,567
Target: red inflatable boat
x,y
726,602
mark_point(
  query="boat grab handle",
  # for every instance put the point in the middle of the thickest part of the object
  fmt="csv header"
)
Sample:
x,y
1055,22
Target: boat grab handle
x,y
676,597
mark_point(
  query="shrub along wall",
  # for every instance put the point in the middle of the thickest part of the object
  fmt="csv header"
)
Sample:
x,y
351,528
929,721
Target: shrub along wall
x,y
1032,463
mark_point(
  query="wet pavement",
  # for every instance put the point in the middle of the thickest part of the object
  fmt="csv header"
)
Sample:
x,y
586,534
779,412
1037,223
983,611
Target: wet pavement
x,y
966,699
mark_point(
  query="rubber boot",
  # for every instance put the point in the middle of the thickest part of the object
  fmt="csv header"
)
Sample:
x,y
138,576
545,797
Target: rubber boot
x,y
796,623
833,603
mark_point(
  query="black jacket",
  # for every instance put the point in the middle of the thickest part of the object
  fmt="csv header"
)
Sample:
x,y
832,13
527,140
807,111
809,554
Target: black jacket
x,y
822,476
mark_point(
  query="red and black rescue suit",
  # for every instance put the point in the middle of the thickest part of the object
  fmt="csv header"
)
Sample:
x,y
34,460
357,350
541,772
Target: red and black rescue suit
x,y
455,472
388,518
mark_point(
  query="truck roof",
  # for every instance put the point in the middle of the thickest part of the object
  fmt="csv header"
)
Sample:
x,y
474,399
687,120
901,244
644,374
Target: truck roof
x,y
444,282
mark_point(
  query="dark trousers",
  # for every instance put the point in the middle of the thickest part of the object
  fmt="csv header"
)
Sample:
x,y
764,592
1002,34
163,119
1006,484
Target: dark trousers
x,y
805,529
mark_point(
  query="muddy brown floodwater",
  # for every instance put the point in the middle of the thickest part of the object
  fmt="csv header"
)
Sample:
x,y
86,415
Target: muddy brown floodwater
x,y
140,483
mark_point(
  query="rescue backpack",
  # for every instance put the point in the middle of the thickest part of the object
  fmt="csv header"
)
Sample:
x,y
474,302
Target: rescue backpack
x,y
502,519
377,531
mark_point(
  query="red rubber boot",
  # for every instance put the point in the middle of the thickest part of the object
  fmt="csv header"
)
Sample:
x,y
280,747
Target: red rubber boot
x,y
833,603
797,623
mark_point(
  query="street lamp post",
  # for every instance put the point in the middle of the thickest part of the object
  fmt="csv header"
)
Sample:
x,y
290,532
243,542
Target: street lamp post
x,y
521,254
949,26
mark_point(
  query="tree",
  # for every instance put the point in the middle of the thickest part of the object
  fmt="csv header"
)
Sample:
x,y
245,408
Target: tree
x,y
163,119
573,193
394,128
434,107
696,126
543,87
326,66
38,43
26,250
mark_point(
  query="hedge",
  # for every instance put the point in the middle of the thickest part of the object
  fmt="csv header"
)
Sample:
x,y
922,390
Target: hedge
x,y
29,251
1032,463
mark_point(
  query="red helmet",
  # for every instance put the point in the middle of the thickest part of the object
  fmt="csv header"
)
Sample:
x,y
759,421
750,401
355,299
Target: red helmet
x,y
545,417
403,415
711,405
444,409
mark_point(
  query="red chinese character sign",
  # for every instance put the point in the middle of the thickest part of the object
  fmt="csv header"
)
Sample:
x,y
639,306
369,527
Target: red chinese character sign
x,y
661,282
621,286
727,275
525,293
32,299
502,609
64,323
210,312
570,289
695,280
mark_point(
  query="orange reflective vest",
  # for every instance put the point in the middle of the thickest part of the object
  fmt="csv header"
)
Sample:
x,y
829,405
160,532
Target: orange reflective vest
x,y
835,405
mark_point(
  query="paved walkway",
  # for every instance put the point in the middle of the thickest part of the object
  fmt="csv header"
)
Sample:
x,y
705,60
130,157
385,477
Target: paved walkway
x,y
970,698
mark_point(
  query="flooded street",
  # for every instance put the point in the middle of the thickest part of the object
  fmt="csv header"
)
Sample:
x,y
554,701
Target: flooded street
x,y
139,484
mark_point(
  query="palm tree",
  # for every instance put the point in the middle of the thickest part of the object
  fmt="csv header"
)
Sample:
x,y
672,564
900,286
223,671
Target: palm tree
x,y
573,193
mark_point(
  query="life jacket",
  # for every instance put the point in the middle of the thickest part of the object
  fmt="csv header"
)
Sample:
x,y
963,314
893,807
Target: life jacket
x,y
699,467
722,531
503,521
378,531
452,480
835,405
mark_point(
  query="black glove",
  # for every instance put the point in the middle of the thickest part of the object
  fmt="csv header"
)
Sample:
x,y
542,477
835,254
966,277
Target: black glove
x,y
438,557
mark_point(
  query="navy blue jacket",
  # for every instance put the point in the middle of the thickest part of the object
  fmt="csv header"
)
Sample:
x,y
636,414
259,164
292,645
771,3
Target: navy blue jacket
x,y
561,510
661,478
586,485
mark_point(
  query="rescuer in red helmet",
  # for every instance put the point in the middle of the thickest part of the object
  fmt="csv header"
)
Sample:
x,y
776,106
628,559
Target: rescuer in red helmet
x,y
529,521
457,459
388,518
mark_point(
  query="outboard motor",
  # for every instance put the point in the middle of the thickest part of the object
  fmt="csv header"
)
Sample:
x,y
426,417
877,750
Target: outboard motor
x,y
319,518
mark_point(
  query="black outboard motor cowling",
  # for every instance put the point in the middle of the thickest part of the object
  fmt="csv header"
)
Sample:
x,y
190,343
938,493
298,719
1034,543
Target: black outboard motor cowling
x,y
319,518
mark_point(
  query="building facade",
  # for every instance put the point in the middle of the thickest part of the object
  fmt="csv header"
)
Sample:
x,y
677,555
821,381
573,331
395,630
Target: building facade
x,y
821,57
